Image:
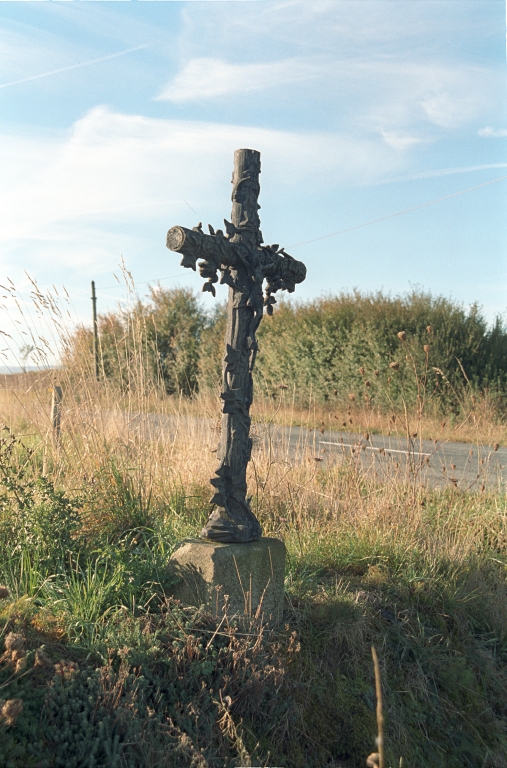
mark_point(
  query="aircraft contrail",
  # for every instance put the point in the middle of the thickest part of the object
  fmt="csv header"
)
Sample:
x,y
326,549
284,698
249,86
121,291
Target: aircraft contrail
x,y
73,66
446,172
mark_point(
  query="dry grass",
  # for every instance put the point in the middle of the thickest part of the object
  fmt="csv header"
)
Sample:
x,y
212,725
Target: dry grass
x,y
160,447
479,424
24,395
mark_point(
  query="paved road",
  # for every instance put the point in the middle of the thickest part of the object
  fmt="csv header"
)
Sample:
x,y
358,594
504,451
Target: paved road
x,y
439,464
462,465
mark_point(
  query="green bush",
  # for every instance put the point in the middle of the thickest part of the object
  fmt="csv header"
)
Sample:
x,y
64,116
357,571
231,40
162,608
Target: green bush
x,y
156,343
332,347
49,548
38,523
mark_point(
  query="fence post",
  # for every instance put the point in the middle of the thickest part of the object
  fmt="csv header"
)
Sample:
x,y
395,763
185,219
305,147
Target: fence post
x,y
56,412
95,331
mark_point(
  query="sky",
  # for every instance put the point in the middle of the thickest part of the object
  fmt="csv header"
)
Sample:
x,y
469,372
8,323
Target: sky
x,y
119,119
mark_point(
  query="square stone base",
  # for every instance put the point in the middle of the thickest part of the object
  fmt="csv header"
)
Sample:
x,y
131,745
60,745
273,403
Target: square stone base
x,y
242,580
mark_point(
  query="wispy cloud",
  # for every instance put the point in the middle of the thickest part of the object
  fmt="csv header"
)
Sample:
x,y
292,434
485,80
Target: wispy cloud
x,y
493,133
205,78
330,24
403,73
404,102
402,97
72,66
400,140
132,170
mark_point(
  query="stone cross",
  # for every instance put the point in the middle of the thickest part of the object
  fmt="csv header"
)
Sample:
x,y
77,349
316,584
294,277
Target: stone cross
x,y
243,263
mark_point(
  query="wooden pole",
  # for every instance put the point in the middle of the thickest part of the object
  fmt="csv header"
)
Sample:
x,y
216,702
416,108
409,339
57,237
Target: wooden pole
x,y
380,714
95,332
56,412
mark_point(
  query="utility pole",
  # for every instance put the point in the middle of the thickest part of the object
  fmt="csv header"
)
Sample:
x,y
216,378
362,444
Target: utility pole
x,y
95,332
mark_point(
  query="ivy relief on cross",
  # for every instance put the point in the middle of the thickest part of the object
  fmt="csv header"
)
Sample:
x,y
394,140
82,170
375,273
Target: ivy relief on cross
x,y
244,263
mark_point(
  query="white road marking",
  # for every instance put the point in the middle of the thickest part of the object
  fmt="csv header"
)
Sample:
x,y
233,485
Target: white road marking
x,y
371,448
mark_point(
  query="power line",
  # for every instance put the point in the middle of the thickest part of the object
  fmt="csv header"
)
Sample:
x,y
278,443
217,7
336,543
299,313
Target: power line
x,y
348,229
398,213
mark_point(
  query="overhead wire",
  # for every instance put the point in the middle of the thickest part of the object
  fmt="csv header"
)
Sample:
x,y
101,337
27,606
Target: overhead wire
x,y
398,213
357,226
333,234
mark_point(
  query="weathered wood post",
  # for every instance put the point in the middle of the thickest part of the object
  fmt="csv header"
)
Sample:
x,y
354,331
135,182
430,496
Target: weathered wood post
x,y
95,332
56,413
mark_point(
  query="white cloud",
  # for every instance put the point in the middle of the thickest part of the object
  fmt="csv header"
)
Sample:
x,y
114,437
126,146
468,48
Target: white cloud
x,y
117,167
335,25
399,96
368,95
71,203
493,133
452,108
205,78
399,70
400,140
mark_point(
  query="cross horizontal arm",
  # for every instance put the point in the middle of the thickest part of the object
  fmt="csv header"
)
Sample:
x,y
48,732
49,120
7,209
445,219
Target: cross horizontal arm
x,y
217,252
194,244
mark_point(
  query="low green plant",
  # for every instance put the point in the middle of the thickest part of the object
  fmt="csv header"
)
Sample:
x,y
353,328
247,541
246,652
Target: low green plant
x,y
39,524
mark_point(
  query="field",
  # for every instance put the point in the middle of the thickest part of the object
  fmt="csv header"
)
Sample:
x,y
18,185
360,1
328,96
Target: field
x,y
102,668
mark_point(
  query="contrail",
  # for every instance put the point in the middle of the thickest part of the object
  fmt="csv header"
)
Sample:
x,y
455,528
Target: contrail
x,y
73,66
446,172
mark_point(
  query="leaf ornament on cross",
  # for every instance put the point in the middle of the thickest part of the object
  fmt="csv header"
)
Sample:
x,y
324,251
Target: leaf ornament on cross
x,y
244,264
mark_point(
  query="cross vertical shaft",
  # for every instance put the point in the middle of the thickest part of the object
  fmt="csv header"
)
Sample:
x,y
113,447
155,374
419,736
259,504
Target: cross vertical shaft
x,y
232,518
243,262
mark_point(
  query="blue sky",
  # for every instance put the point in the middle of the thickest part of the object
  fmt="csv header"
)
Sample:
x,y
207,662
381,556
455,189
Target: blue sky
x,y
120,119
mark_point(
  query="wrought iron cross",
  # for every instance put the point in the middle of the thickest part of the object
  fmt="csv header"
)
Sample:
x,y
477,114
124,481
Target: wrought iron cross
x,y
243,262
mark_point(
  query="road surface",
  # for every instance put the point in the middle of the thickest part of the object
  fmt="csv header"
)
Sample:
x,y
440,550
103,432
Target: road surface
x,y
439,464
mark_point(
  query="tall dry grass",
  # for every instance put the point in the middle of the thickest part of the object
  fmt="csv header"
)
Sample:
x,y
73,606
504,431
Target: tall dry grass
x,y
158,445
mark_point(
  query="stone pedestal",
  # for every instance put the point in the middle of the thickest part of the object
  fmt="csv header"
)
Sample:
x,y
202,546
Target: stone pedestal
x,y
242,580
